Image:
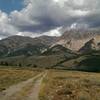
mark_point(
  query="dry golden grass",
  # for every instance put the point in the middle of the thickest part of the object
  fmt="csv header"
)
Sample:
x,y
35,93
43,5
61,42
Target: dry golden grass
x,y
70,85
10,76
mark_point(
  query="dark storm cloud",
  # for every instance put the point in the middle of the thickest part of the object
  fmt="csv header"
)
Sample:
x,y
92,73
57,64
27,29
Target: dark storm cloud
x,y
45,25
41,16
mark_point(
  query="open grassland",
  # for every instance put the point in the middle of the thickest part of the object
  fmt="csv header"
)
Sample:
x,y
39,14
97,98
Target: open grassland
x,y
11,76
33,61
70,85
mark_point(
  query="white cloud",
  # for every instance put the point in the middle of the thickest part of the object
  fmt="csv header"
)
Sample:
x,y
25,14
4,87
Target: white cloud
x,y
37,10
30,34
54,32
3,17
6,28
79,2
79,26
44,16
22,18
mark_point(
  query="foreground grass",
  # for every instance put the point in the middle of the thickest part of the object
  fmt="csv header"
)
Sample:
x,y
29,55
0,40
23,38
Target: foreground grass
x,y
11,76
70,85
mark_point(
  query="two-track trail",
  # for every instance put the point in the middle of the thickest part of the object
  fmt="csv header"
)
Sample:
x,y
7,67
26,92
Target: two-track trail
x,y
27,90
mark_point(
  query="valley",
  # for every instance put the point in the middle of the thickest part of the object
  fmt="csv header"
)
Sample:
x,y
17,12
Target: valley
x,y
50,68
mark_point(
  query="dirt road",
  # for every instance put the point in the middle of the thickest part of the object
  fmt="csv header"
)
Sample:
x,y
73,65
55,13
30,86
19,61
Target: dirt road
x,y
27,90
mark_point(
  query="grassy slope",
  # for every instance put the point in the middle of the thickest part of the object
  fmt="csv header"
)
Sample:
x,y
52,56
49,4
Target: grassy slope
x,y
37,61
49,59
86,62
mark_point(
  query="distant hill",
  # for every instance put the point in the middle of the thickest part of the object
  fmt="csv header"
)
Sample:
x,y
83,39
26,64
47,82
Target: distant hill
x,y
3,50
88,62
58,49
31,56
20,44
28,50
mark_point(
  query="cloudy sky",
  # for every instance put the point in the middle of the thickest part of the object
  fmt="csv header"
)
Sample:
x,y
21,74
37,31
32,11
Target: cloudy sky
x,y
47,17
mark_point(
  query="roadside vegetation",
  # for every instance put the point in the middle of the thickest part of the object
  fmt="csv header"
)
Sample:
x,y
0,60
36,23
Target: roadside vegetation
x,y
10,76
70,85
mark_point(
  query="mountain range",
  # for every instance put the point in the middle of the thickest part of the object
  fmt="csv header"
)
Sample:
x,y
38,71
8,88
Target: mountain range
x,y
20,44
73,50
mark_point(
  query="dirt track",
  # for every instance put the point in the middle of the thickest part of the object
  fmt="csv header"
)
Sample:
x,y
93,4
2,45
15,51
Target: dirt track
x,y
27,90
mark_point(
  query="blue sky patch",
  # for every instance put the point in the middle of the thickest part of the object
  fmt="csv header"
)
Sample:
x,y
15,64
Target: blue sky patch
x,y
10,5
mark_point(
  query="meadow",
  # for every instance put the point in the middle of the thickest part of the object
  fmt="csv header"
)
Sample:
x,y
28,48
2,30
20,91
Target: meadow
x,y
11,76
56,85
70,85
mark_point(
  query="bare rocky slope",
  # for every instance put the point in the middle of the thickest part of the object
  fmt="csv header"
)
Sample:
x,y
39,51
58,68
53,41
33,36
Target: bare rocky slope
x,y
75,39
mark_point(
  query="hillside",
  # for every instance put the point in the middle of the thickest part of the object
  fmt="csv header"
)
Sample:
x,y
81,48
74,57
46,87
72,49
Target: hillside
x,y
87,62
28,50
58,49
48,59
17,44
89,46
